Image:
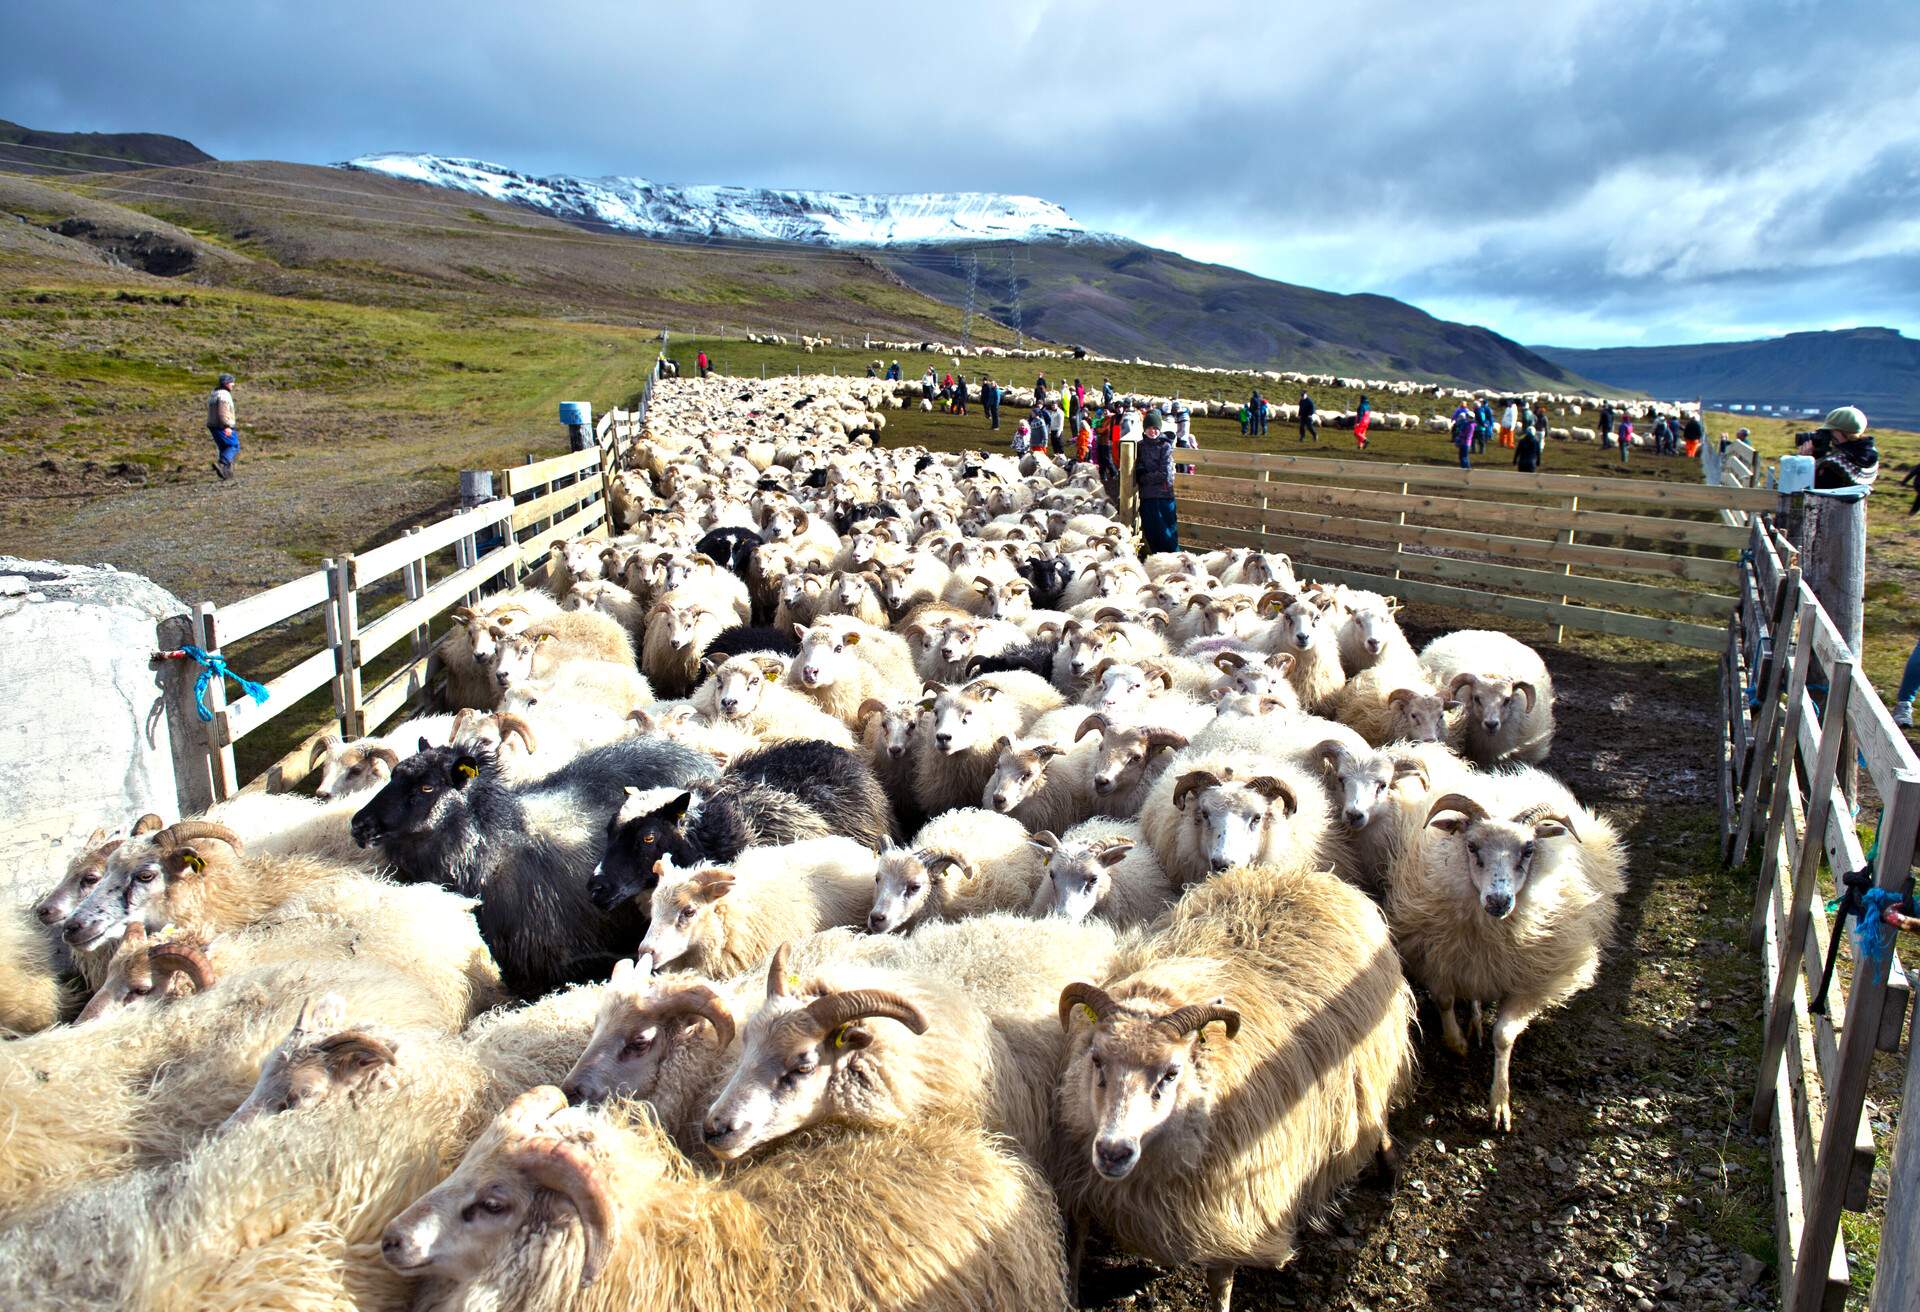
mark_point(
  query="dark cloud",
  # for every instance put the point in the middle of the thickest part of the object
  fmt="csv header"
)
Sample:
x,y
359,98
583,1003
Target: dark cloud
x,y
1581,171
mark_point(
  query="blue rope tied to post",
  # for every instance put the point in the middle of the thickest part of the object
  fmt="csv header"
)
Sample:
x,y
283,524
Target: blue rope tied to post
x,y
212,663
1872,935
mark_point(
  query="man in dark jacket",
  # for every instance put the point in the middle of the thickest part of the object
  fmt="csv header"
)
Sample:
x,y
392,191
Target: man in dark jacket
x,y
1526,451
1308,425
990,402
1606,423
1257,409
1153,471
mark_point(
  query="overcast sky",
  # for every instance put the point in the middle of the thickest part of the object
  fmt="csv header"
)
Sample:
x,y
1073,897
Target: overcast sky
x,y
1575,172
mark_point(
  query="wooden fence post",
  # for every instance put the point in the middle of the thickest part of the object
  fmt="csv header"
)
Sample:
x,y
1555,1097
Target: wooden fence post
x,y
1834,562
1400,521
346,605
1129,506
192,768
414,579
1566,539
226,778
1896,1279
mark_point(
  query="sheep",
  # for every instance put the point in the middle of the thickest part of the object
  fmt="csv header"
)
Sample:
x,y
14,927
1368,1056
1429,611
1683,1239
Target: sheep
x,y
611,688
831,671
955,757
1245,673
916,582
1040,782
776,795
1191,1148
723,919
748,692
796,1230
1213,808
886,738
86,868
610,599
1127,759
525,851
1510,899
963,862
1393,701
1101,867
573,562
466,647
32,996
802,598
1490,675
856,594
1083,646
1301,630
679,629
958,642
1368,632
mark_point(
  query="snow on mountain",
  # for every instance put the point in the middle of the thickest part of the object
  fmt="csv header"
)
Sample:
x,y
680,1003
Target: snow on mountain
x,y
659,209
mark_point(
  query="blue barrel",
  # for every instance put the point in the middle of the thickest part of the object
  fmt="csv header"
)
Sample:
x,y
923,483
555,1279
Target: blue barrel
x,y
576,412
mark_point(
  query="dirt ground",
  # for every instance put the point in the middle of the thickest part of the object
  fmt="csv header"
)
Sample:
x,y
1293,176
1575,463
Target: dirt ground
x,y
1629,1180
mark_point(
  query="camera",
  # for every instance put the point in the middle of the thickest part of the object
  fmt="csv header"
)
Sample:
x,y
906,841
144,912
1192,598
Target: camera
x,y
1821,440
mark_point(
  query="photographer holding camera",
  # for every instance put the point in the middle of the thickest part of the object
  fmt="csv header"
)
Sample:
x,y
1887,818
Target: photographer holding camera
x,y
1844,456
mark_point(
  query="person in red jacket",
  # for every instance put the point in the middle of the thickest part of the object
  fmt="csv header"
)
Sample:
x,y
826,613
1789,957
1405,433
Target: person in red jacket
x,y
703,362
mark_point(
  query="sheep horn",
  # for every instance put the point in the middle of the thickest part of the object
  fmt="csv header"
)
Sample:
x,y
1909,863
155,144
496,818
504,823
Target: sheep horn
x,y
1521,686
1192,782
147,824
1229,661
777,971
837,1009
565,1168
1453,687
1541,815
1329,753
1046,838
170,959
1099,671
1161,739
354,1047
1405,766
1091,996
1197,599
1197,1016
1110,615
1274,790
387,754
1456,802
1270,597
871,706
1401,695
701,1001
326,744
1093,723
185,831
512,725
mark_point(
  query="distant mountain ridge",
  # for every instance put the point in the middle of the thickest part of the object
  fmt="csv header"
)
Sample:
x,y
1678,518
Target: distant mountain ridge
x,y
661,209
25,150
1876,369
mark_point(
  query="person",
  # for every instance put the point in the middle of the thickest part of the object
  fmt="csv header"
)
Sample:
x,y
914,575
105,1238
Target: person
x,y
893,372
1183,434
1625,438
1037,426
1309,424
1082,436
1844,456
1693,432
1022,438
1912,480
1246,418
1509,422
1106,451
1483,426
1153,473
1909,685
704,363
960,395
1106,394
1526,453
1079,397
1662,434
929,384
1540,422
1257,406
1056,426
1465,425
1362,418
220,426
1039,387
990,402
1606,423
1691,447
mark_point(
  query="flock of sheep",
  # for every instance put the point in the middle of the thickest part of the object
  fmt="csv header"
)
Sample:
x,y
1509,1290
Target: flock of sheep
x,y
843,888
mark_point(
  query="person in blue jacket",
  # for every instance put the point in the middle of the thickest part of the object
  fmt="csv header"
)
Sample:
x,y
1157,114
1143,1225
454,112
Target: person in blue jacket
x,y
1153,471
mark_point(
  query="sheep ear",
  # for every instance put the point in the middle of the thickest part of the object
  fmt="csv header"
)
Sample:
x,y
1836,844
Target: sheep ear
x,y
466,768
986,692
1002,743
800,632
425,746
1449,823
676,809
1047,751
1284,662
773,669
713,884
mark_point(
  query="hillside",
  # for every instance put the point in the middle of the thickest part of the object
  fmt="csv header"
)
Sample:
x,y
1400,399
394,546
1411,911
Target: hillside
x,y
24,150
1121,298
1874,368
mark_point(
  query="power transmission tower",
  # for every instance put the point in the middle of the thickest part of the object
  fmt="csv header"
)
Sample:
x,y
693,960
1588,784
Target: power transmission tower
x,y
973,287
1013,272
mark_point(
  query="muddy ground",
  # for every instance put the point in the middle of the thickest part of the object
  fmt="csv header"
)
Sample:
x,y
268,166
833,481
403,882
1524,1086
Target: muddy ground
x,y
1629,1180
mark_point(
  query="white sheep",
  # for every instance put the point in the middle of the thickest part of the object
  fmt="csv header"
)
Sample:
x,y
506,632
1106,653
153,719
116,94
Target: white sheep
x,y
963,862
720,920
1101,867
1215,808
1505,692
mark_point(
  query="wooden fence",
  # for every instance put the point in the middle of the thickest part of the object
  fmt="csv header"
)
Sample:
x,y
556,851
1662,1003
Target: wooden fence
x,y
1794,700
1493,541
501,543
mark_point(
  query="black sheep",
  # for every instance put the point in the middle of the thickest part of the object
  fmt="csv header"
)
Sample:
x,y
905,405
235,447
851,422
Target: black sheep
x,y
732,547
777,795
1049,577
866,512
1034,657
524,850
742,638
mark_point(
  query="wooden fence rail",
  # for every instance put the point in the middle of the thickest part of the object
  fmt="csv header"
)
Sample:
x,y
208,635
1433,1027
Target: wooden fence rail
x,y
1793,697
1421,532
503,542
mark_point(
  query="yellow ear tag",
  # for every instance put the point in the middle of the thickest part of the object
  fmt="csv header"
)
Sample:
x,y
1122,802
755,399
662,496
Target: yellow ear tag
x,y
793,983
545,637
193,862
466,771
840,1037
1088,1011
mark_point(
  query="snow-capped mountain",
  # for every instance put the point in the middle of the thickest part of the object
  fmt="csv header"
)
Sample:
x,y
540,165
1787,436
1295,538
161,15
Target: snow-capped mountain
x,y
659,209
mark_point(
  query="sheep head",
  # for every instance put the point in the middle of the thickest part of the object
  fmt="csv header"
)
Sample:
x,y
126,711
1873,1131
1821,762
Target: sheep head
x,y
87,869
827,654
1231,817
424,790
1359,780
1019,772
538,1156
1079,874
143,970
799,1055
1498,857
740,683
1125,752
643,1020
1419,715
888,730
688,912
350,768
317,1061
1142,1070
910,885
146,879
1490,700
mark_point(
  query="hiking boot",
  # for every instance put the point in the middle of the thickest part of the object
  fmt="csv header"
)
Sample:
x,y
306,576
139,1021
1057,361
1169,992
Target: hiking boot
x,y
1903,713
220,470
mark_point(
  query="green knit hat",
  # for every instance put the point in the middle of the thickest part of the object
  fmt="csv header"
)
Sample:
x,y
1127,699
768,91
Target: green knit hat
x,y
1847,419
1154,418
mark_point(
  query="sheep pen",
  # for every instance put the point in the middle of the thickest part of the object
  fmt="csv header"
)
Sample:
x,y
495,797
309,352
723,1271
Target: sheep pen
x,y
1617,1181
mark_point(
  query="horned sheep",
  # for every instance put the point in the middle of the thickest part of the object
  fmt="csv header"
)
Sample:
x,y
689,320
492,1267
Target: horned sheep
x,y
1505,692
